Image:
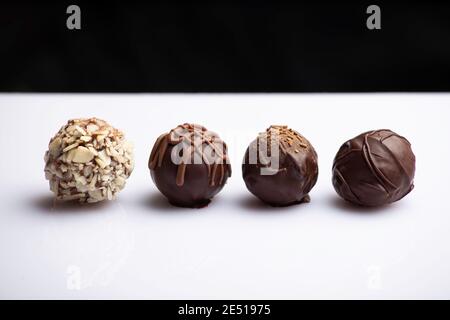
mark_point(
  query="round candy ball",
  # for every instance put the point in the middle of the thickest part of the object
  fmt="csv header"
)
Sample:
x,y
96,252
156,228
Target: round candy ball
x,y
189,165
88,160
374,168
280,167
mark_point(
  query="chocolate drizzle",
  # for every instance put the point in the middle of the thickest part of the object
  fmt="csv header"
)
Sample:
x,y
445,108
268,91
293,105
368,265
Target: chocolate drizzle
x,y
194,137
192,146
374,168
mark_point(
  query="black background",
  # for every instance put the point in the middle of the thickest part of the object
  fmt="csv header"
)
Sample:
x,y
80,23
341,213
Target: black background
x,y
204,46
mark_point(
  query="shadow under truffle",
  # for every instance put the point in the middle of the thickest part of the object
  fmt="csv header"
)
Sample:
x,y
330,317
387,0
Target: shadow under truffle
x,y
158,202
348,207
252,203
48,204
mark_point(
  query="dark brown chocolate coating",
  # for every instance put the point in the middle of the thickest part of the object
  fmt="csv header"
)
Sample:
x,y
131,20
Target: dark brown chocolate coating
x,y
297,168
190,183
374,168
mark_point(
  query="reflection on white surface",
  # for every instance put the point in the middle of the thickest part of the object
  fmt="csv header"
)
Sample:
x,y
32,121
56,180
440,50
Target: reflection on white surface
x,y
108,255
141,247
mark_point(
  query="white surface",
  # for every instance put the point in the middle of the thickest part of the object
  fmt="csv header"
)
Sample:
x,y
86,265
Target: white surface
x,y
141,247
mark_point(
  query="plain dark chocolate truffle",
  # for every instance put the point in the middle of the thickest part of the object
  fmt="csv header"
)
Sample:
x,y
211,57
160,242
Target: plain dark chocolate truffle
x,y
374,168
189,165
280,167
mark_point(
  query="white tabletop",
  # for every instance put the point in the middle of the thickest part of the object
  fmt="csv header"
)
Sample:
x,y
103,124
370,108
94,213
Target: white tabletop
x,y
141,247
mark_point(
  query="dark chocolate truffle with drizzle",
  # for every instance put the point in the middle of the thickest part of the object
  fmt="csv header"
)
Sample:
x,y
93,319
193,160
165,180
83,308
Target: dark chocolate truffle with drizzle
x,y
189,165
374,168
280,167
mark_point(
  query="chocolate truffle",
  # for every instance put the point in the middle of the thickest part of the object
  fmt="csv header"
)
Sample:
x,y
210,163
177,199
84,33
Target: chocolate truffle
x,y
189,165
374,168
88,160
280,167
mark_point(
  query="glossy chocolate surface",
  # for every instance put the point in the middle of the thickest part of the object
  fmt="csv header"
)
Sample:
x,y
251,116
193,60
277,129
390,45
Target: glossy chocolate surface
x,y
295,173
374,168
202,172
